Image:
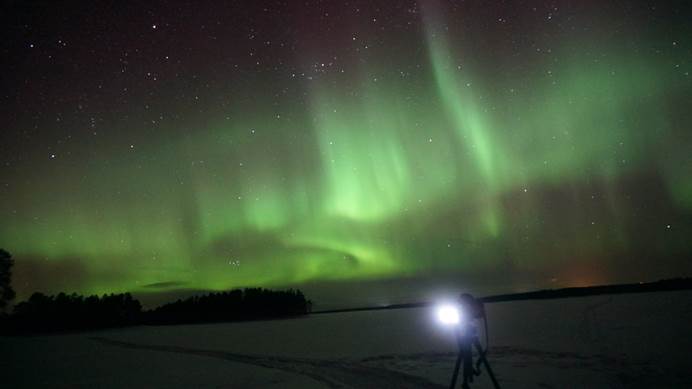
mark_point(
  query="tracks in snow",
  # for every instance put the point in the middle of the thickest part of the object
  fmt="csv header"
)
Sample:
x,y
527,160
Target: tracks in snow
x,y
333,373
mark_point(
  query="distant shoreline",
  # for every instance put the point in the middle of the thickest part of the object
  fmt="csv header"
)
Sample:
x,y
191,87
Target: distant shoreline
x,y
545,294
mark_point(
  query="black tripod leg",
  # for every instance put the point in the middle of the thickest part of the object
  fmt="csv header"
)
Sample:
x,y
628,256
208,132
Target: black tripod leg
x,y
481,355
460,357
467,367
456,371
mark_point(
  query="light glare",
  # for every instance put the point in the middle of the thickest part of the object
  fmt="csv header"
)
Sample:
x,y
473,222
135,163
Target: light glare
x,y
448,314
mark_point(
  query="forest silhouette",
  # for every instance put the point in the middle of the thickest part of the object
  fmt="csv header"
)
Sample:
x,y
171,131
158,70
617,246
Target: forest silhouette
x,y
72,312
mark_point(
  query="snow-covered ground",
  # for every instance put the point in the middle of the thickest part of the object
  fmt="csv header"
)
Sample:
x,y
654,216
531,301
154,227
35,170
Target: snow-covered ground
x,y
618,341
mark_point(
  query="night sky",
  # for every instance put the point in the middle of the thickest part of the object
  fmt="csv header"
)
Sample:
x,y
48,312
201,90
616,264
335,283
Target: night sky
x,y
366,152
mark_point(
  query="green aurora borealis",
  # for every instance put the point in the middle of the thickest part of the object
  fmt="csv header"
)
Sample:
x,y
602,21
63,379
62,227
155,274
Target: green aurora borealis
x,y
441,139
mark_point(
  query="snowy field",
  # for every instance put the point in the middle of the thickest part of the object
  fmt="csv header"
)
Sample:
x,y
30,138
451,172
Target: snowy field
x,y
612,341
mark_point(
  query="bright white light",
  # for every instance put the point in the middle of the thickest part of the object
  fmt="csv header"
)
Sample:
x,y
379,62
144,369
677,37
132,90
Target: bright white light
x,y
448,314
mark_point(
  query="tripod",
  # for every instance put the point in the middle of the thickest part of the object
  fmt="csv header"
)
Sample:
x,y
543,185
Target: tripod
x,y
467,338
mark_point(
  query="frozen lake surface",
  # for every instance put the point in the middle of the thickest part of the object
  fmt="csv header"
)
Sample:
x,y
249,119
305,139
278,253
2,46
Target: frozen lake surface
x,y
610,341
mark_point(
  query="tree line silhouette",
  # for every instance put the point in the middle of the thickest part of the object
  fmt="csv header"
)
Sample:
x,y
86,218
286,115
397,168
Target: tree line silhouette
x,y
63,312
72,312
248,304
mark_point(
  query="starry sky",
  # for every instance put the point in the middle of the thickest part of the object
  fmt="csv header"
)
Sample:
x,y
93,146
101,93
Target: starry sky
x,y
364,151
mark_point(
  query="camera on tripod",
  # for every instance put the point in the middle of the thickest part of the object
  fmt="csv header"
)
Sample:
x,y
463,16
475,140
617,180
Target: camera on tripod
x,y
472,306
467,308
463,317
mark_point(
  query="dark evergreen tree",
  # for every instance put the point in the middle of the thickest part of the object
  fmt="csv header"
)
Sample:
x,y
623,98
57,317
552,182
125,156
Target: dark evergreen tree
x,y
6,292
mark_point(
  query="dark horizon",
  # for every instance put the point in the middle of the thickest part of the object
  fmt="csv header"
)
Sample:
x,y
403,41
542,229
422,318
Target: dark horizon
x,y
428,294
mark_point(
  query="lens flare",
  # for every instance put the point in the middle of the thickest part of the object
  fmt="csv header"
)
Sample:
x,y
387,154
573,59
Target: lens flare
x,y
448,314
